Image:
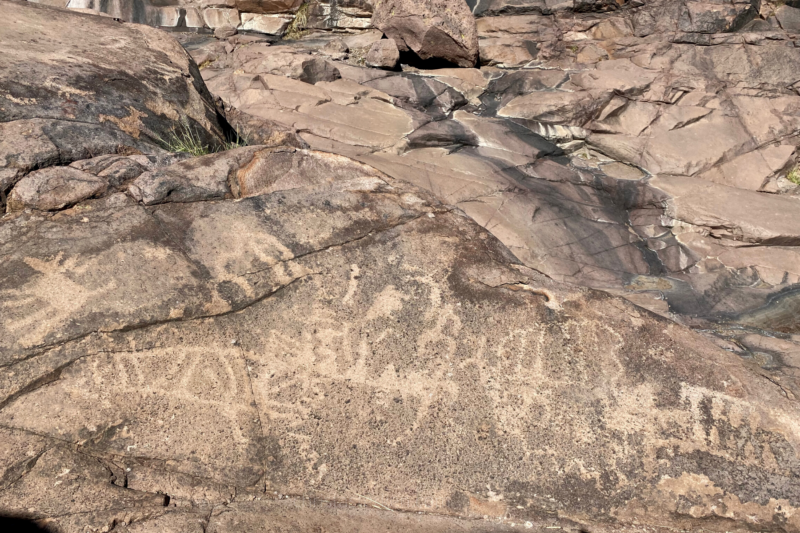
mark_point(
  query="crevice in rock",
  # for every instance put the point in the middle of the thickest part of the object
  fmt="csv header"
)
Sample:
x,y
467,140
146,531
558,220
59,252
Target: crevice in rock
x,y
29,465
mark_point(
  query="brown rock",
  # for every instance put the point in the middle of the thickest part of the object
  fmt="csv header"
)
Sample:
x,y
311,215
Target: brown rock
x,y
200,178
731,213
54,188
383,54
267,6
355,341
129,88
268,24
336,49
221,17
514,41
223,32
258,131
621,120
432,29
280,169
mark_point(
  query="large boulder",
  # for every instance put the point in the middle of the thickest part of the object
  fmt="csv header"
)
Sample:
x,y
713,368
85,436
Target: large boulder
x,y
89,86
353,340
432,29
54,188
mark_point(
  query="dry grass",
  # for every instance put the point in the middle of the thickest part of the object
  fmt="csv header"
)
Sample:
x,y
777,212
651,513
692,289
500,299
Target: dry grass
x,y
296,28
185,139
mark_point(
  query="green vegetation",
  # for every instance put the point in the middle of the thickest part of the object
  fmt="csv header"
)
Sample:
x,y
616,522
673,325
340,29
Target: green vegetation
x,y
794,175
295,30
230,145
185,139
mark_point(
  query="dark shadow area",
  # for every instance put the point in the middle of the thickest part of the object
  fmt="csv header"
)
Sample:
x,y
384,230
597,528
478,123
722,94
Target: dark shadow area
x,y
19,525
413,60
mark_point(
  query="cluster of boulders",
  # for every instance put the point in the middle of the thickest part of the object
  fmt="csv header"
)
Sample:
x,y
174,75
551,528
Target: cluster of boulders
x,y
430,29
260,285
619,102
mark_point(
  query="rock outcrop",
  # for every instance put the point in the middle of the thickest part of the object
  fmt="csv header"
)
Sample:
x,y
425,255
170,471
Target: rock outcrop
x,y
267,17
353,340
623,100
103,94
383,312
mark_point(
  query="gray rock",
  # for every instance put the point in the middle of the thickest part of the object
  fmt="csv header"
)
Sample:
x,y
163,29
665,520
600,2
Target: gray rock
x,y
789,18
711,17
316,70
115,169
57,110
98,164
507,7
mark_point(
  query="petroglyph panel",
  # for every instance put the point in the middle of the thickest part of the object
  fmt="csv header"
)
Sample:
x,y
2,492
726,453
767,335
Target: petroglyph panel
x,y
189,406
405,358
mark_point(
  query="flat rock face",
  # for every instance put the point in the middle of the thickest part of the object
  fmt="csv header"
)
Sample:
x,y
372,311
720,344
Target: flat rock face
x,y
627,92
357,341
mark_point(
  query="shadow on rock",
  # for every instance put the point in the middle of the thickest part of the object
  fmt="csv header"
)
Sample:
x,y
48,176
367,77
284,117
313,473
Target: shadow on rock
x,y
19,525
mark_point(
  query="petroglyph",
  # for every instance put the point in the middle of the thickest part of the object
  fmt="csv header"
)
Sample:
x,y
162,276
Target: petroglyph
x,y
357,360
132,124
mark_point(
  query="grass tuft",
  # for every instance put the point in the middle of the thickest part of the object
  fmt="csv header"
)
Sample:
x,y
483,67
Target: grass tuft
x,y
238,143
186,140
794,175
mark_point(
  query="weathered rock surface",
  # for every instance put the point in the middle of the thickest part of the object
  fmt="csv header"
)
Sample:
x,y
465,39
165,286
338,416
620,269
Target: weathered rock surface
x,y
223,32
383,54
54,188
232,349
101,93
432,29
627,95
497,176
365,306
